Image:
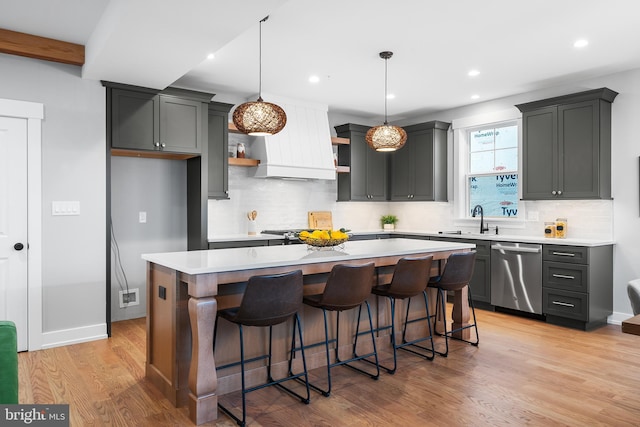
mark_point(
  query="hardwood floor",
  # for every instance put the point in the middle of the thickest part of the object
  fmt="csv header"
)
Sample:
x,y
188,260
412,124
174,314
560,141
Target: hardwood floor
x,y
525,372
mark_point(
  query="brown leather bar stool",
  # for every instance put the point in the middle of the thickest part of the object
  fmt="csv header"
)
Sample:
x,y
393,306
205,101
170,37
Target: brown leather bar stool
x,y
456,275
410,277
268,301
348,287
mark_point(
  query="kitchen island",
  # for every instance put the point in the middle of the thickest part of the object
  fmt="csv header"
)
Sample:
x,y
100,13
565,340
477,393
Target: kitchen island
x,y
185,289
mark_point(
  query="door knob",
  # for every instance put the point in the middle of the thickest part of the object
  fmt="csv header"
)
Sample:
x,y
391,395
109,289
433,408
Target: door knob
x,y
18,246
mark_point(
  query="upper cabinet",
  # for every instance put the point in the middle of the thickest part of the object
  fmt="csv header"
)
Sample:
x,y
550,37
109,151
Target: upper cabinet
x,y
419,169
367,180
567,146
169,121
218,153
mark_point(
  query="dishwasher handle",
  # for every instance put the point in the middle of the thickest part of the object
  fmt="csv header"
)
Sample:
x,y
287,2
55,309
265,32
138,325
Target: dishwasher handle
x,y
528,250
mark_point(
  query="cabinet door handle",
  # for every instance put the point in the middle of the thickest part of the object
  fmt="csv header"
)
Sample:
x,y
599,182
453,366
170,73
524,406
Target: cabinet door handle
x,y
554,192
563,276
559,192
563,253
156,144
564,304
163,145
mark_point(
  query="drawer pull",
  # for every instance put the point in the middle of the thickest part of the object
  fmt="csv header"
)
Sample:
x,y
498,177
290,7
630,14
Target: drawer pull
x,y
563,253
563,276
564,304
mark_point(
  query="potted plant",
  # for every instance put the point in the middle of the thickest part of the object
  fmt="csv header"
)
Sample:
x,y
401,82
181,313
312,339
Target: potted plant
x,y
388,221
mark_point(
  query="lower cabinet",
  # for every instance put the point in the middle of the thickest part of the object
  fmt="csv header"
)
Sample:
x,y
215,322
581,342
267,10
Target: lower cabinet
x,y
480,284
577,285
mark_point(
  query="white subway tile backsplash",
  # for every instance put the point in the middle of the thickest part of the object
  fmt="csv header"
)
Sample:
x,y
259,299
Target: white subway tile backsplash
x,y
285,203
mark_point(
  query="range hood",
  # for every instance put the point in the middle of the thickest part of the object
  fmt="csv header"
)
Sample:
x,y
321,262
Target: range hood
x,y
302,150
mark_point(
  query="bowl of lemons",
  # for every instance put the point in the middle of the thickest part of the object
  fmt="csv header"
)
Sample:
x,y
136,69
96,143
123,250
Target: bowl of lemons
x,y
323,238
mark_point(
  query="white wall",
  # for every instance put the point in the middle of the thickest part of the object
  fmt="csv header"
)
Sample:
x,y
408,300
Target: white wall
x,y
73,168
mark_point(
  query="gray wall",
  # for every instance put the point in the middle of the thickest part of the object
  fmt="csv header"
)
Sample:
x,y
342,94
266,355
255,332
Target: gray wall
x,y
157,187
73,168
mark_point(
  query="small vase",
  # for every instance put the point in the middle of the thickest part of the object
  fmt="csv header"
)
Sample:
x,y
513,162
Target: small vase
x,y
389,227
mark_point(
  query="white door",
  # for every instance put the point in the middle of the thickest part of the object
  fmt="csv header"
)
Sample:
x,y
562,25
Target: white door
x,y
13,225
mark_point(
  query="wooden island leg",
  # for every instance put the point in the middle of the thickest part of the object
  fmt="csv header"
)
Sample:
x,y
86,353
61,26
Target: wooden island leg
x,y
460,313
203,381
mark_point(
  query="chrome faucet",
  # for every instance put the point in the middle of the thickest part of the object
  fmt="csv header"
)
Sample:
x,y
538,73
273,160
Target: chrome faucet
x,y
477,210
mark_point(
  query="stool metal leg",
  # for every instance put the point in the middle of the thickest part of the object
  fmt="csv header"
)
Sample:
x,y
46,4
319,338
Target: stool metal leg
x,y
270,380
355,357
449,334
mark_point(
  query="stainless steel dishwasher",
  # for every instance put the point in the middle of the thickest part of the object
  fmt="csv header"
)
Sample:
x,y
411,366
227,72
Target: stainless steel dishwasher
x,y
516,276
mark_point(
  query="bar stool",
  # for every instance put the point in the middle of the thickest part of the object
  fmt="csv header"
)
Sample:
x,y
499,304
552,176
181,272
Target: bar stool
x,y
410,277
456,275
348,287
268,301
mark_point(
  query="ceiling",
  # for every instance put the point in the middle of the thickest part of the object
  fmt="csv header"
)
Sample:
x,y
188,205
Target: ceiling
x,y
517,47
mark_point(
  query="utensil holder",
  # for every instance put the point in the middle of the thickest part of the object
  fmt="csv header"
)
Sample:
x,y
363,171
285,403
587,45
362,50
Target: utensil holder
x,y
252,228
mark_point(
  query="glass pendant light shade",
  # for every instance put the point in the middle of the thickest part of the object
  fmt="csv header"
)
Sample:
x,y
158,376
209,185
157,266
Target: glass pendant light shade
x,y
386,137
259,118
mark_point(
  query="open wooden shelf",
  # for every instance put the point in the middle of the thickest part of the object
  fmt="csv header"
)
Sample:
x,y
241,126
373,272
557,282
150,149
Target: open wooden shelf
x,y
151,154
234,161
339,141
343,169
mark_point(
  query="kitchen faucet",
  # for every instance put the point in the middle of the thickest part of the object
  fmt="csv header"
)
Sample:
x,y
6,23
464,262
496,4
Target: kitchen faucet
x,y
477,209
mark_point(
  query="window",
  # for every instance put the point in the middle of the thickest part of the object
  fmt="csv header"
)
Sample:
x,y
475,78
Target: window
x,y
492,172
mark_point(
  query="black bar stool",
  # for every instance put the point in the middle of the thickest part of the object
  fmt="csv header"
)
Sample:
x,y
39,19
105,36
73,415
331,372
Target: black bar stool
x,y
456,275
268,301
410,277
348,287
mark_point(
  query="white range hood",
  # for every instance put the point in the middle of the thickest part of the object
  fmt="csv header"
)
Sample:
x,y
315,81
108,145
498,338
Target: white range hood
x,y
302,150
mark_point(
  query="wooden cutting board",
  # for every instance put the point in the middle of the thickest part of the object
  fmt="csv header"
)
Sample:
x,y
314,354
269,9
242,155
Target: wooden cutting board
x,y
320,220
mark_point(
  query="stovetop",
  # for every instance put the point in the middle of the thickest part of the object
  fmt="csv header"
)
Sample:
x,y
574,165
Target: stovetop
x,y
290,233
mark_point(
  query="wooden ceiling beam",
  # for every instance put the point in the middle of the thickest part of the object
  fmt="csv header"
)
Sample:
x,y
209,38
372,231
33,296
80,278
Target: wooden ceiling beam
x,y
15,43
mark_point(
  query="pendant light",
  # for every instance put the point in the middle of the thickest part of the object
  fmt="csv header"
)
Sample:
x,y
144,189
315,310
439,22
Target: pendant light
x,y
259,118
386,137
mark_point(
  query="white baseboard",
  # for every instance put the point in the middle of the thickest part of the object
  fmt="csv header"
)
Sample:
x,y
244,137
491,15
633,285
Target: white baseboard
x,y
617,317
74,335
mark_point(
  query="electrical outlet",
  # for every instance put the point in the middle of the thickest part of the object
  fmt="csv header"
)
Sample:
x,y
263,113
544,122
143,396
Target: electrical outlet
x,y
130,298
142,217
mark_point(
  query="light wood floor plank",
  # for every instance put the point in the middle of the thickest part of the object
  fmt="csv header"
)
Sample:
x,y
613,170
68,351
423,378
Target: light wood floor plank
x,y
525,372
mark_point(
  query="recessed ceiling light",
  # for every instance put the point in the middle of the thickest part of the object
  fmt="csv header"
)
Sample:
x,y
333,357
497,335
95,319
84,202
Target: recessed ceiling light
x,y
391,96
211,56
473,73
314,79
581,43
475,96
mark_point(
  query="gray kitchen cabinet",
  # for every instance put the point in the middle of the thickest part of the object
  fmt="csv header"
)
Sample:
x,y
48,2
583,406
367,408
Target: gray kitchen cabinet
x,y
367,179
218,157
170,121
577,285
567,146
480,284
418,171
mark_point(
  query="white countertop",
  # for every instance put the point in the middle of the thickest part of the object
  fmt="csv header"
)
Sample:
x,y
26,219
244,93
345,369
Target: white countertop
x,y
237,259
516,238
465,236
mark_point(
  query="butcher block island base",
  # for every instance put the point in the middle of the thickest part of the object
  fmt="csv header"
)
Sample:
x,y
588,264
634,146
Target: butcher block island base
x,y
185,289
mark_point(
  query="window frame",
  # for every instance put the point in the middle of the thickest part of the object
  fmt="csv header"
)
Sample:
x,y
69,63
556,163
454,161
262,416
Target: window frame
x,y
468,174
460,166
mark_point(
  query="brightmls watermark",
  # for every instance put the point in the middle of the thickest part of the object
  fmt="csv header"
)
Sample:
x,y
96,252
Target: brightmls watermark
x,y
34,415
